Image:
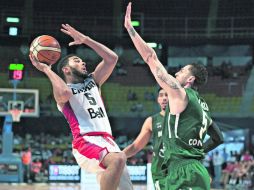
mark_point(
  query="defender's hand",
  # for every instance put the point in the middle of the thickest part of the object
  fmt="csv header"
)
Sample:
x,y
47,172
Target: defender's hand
x,y
127,22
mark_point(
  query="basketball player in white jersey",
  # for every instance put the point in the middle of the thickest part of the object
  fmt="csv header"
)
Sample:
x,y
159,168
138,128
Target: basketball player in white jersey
x,y
77,94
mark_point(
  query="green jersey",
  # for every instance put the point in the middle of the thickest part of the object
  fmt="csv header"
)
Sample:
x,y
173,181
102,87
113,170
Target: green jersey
x,y
184,133
157,127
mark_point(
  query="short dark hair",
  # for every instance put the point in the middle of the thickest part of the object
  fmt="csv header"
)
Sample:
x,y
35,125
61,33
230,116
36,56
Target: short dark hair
x,y
200,73
62,63
159,89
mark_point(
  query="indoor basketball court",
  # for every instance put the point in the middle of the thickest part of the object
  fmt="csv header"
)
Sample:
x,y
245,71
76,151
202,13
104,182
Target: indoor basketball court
x,y
87,43
55,187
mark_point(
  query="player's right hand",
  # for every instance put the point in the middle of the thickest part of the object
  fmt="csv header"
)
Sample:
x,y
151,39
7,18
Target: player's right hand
x,y
40,66
77,36
127,21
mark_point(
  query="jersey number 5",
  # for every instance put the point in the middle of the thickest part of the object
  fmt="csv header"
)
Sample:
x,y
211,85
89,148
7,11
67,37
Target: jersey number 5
x,y
205,124
91,100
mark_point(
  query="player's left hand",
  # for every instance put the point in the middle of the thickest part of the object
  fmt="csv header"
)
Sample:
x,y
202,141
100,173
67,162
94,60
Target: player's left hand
x,y
40,66
127,21
78,37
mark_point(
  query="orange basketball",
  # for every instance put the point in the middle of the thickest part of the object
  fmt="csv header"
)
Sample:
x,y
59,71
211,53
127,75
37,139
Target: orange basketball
x,y
46,49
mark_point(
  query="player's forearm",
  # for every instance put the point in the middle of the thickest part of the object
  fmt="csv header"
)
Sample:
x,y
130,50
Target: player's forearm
x,y
216,138
107,54
211,144
144,50
61,91
131,150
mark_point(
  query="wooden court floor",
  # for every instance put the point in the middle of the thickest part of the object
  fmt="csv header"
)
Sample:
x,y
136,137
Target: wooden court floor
x,y
56,186
53,186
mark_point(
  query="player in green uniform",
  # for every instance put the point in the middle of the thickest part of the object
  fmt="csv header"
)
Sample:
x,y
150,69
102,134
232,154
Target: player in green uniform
x,y
186,122
152,127
183,144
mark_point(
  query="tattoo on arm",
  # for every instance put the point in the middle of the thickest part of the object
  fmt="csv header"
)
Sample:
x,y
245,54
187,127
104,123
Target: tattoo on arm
x,y
148,57
132,32
166,79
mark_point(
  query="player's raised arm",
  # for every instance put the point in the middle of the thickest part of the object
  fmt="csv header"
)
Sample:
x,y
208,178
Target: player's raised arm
x,y
166,81
60,90
106,66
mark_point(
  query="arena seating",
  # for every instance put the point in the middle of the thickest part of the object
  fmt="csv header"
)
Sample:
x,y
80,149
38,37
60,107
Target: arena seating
x,y
235,8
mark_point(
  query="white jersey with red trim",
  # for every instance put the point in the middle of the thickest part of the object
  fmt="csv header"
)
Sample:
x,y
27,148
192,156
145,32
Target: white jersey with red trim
x,y
85,111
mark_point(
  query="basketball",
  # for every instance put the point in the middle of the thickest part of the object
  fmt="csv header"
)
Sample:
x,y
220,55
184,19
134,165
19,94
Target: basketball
x,y
46,49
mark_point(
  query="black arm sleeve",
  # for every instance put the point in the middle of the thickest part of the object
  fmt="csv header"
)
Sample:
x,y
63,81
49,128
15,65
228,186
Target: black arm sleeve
x,y
216,138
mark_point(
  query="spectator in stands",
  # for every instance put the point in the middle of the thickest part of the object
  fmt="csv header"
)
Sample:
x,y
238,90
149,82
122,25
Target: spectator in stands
x,y
225,158
234,175
26,157
232,158
119,70
49,99
152,129
36,167
149,96
133,108
244,169
140,107
187,119
206,162
226,70
217,164
131,96
236,155
247,156
133,161
242,173
137,107
49,161
45,153
230,167
68,154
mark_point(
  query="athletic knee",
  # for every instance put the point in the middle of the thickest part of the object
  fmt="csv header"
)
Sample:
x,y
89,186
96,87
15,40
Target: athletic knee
x,y
113,160
120,160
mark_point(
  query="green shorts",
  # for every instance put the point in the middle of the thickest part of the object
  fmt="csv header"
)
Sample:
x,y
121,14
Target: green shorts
x,y
159,182
187,175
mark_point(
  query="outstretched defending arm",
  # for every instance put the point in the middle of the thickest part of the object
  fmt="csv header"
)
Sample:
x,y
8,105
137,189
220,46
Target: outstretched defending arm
x,y
166,81
106,66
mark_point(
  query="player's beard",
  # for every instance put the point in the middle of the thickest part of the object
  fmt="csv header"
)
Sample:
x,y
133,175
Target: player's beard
x,y
78,74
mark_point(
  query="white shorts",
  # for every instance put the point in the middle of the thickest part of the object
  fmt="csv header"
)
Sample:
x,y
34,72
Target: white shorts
x,y
89,150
